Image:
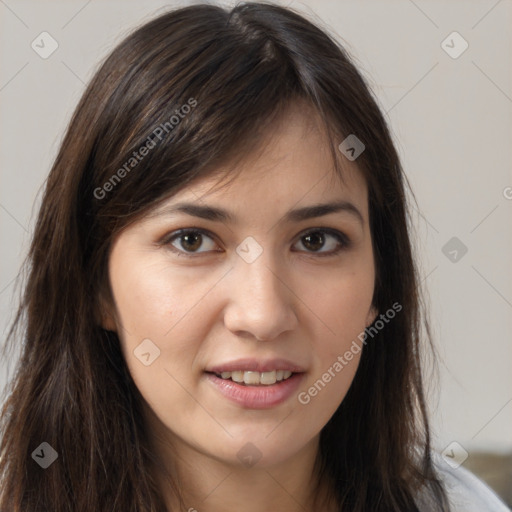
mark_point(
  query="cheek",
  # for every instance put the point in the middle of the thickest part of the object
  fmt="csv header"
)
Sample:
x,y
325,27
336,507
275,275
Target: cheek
x,y
154,299
156,303
343,305
143,298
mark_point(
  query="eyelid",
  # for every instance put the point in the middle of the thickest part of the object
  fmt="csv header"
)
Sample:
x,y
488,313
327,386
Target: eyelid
x,y
340,236
170,237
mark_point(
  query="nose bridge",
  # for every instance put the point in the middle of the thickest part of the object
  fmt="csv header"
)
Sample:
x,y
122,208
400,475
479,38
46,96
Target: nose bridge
x,y
255,262
263,277
260,302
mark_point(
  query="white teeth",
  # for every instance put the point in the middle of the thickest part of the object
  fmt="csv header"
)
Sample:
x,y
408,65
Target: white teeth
x,y
268,377
256,378
237,376
251,378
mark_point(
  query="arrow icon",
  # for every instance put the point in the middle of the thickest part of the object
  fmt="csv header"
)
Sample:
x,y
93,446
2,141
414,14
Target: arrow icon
x,y
147,352
249,249
454,45
44,455
249,455
454,249
454,454
352,147
44,45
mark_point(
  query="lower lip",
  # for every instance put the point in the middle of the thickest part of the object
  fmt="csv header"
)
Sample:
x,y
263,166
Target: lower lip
x,y
257,397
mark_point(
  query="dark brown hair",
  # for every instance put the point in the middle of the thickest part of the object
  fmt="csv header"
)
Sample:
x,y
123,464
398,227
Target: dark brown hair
x,y
236,71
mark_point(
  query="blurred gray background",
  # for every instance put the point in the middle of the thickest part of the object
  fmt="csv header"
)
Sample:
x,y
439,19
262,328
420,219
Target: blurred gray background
x,y
442,73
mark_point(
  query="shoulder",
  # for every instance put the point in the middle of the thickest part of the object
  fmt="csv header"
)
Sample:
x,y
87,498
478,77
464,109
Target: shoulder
x,y
466,492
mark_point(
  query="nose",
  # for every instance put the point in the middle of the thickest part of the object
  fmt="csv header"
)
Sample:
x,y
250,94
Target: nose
x,y
261,301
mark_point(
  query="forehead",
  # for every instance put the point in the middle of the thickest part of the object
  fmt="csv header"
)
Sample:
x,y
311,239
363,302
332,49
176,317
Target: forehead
x,y
292,164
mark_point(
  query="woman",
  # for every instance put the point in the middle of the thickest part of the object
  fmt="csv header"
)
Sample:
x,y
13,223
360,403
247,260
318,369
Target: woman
x,y
222,309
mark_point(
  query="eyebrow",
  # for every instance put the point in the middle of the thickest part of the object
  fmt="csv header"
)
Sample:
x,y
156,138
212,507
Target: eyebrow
x,y
216,214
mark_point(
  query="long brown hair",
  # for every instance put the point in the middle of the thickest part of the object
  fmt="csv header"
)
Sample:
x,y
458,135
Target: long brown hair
x,y
236,71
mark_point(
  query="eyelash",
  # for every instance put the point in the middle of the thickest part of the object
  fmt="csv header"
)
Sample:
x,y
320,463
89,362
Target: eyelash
x,y
342,239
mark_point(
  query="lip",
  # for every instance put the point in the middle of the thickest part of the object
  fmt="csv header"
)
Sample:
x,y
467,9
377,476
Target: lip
x,y
256,397
256,365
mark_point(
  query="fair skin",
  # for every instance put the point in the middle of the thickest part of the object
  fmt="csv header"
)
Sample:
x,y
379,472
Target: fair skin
x,y
213,306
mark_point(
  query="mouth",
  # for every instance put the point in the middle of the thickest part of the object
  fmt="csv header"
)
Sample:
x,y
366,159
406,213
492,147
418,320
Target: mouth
x,y
253,383
256,390
253,378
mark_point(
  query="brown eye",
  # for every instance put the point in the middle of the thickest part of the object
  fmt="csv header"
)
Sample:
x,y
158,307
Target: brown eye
x,y
190,241
315,241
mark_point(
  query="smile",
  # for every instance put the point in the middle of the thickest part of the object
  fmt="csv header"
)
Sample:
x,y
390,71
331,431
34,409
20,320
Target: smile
x,y
250,378
251,393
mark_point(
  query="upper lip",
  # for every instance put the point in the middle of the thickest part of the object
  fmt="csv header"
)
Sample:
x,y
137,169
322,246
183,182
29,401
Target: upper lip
x,y
256,365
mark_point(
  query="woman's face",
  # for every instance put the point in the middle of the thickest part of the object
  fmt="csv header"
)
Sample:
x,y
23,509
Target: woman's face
x,y
275,288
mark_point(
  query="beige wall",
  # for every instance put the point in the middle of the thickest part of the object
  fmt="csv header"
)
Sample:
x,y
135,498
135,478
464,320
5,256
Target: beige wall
x,y
451,119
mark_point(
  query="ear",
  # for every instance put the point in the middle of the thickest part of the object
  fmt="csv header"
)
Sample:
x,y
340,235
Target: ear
x,y
107,321
104,313
372,315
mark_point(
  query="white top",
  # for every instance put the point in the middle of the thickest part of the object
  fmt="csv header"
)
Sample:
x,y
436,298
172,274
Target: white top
x,y
466,492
